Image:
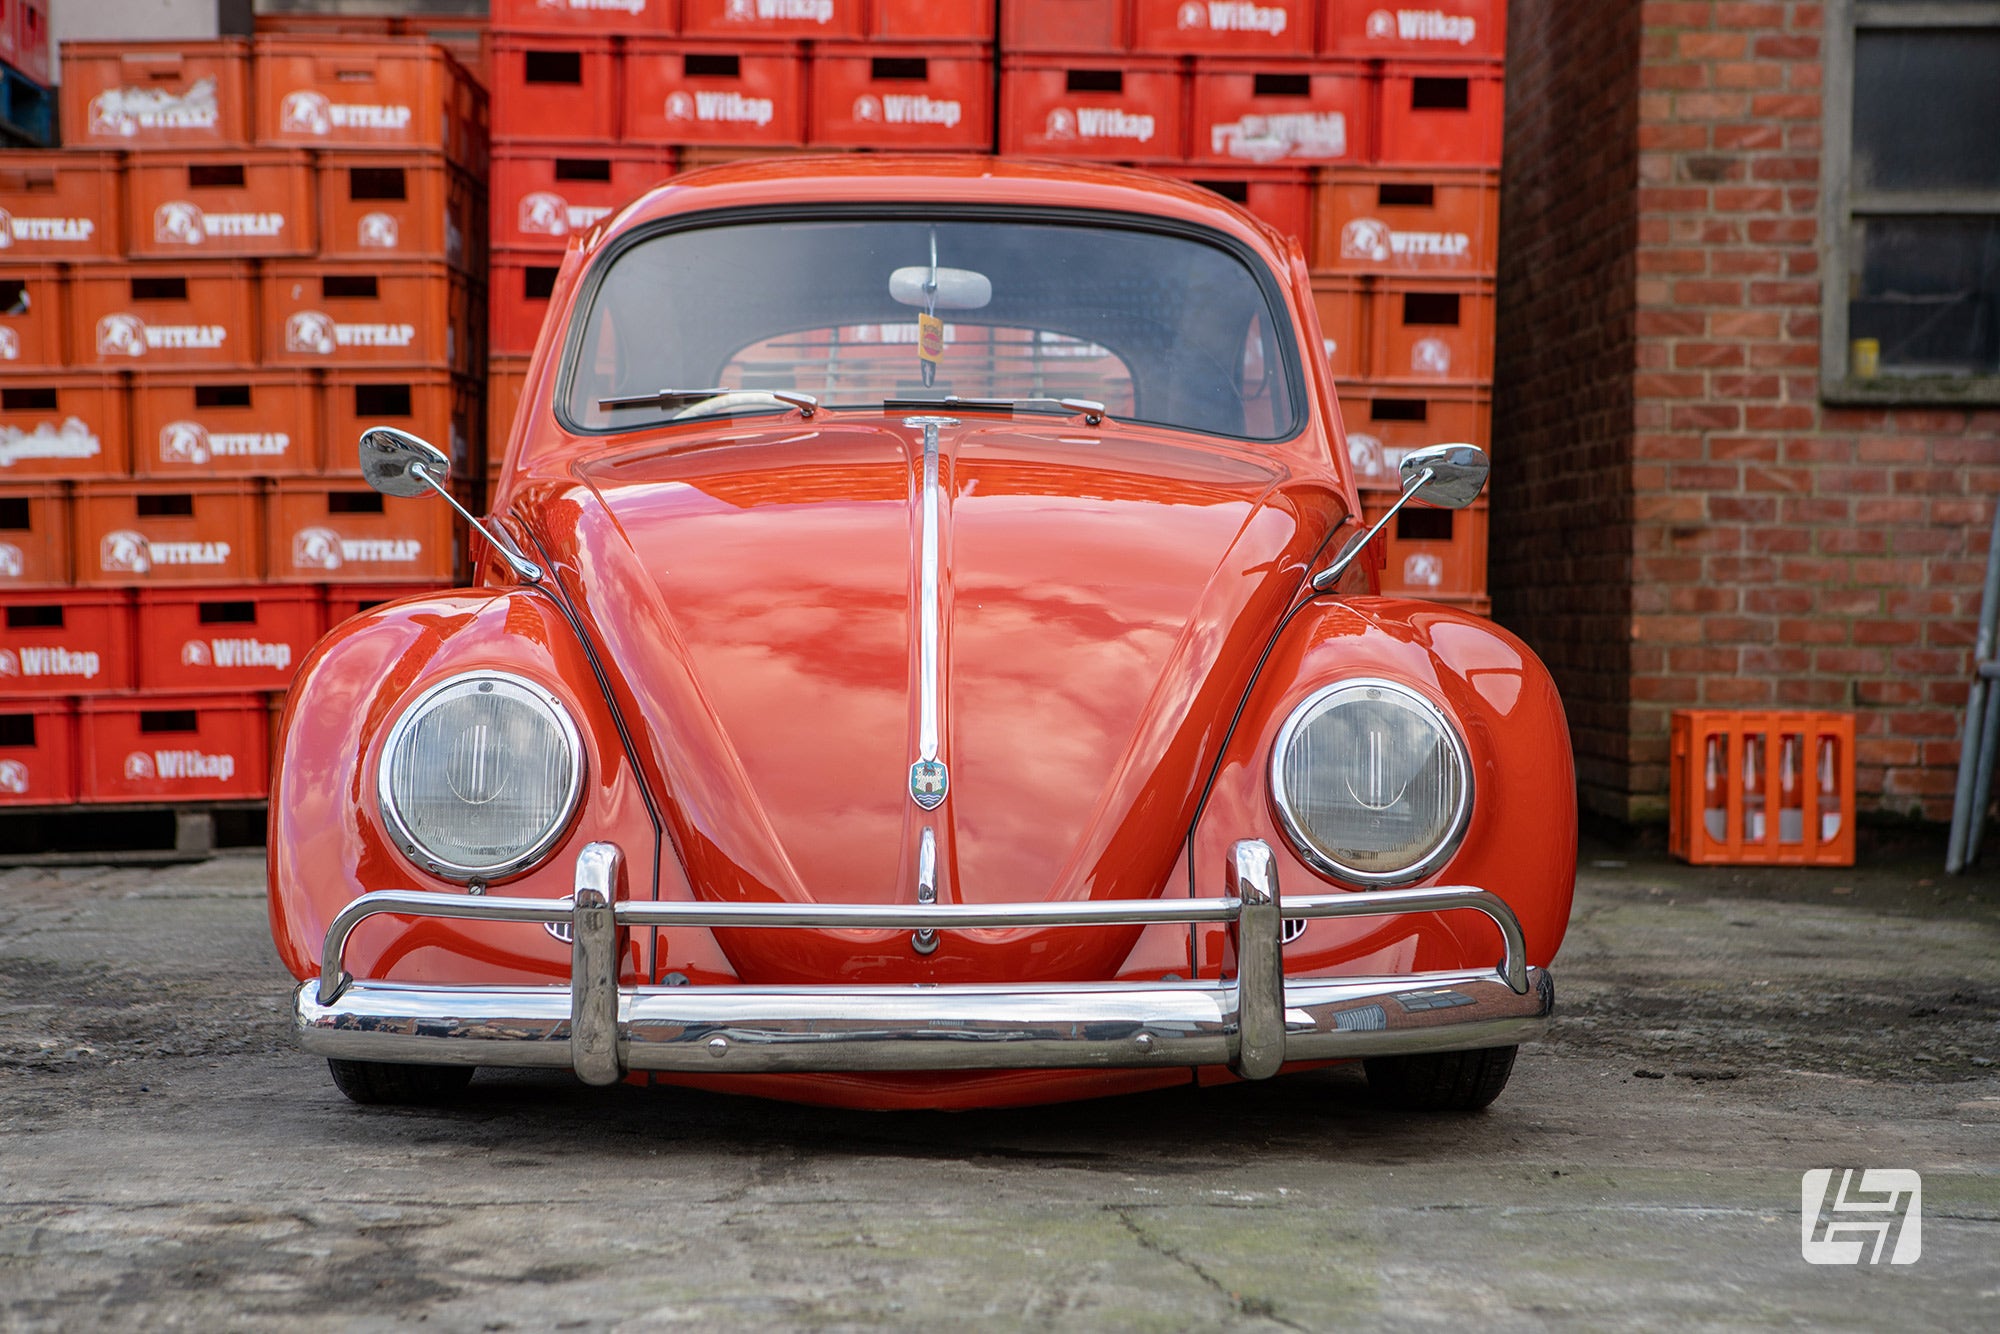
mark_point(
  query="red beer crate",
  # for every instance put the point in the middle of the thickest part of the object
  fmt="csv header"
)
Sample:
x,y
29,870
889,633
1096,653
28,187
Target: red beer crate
x,y
173,748
931,20
65,643
344,601
602,18
1730,772
326,25
1281,196
1386,422
1439,115
734,20
390,206
1342,306
1223,27
32,328
27,37
1064,26
441,408
1430,551
552,87
545,193
912,97
137,533
226,423
1276,112
62,426
241,204
34,535
505,378
60,206
225,639
342,314
1435,330
321,533
37,753
356,92
1442,29
1126,108
519,298
141,316
714,93
1407,222
136,95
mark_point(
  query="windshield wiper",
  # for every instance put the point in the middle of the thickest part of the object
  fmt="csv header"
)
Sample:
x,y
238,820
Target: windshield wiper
x,y
1091,410
807,404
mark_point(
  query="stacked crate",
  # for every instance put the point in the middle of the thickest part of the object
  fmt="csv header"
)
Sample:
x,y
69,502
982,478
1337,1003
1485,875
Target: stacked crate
x,y
27,105
250,254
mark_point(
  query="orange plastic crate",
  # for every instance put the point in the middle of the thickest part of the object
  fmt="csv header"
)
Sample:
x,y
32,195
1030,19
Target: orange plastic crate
x,y
820,20
441,408
1196,28
60,206
505,378
931,20
1406,222
356,92
1436,331
399,206
141,316
545,193
1436,29
187,205
1095,26
62,425
173,748
320,533
1385,422
1281,196
555,86
34,535
1342,306
625,18
1431,552
1279,112
37,752
32,317
138,533
346,314
66,642
1127,109
681,92
133,95
1439,115
226,423
225,639
1761,788
878,95
519,298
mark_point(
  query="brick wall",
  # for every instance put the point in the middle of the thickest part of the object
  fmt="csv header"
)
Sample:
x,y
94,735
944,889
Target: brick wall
x,y
1562,512
1783,553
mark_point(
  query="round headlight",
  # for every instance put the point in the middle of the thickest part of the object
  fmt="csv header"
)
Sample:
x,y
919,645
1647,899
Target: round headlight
x,y
1372,782
480,775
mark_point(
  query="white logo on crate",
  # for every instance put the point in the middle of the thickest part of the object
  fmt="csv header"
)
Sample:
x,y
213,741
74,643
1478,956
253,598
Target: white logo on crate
x,y
194,653
12,563
1423,569
1308,134
138,766
316,549
72,440
868,109
124,112
1365,453
142,767
730,108
1421,25
544,213
1232,16
1898,1198
123,551
194,444
1366,238
10,345
324,549
907,109
124,335
379,231
309,331
184,442
319,333
47,661
14,777
309,112
227,653
1098,123
14,229
633,7
1431,356
804,11
179,222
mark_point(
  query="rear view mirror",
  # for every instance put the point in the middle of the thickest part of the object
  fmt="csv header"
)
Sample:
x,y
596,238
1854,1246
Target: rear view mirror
x,y
957,289
388,457
1457,474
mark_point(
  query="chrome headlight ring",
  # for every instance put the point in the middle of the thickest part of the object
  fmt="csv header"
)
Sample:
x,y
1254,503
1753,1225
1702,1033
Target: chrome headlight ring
x,y
1453,788
478,779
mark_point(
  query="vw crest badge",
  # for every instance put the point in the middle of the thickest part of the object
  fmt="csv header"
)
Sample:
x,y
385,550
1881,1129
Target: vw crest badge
x,y
929,781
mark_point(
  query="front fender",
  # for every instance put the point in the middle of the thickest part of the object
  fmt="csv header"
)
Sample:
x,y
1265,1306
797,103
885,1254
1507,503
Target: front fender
x,y
326,840
1521,841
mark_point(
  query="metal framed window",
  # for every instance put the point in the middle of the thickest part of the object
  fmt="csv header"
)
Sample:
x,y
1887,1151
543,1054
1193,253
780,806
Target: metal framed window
x,y
1910,202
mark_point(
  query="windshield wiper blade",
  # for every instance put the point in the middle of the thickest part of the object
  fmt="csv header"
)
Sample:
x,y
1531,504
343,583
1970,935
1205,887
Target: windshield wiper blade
x,y
1090,409
807,404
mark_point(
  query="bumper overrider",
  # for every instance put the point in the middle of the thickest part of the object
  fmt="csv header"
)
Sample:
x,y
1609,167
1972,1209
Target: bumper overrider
x,y
1253,1023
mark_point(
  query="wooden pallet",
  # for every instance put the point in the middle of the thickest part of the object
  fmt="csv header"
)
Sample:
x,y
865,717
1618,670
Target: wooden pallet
x,y
143,835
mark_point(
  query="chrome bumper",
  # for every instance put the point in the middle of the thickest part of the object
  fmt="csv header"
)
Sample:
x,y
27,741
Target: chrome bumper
x,y
1253,1023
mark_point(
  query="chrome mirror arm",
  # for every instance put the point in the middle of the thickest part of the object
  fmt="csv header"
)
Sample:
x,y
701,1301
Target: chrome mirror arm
x,y
1328,577
524,569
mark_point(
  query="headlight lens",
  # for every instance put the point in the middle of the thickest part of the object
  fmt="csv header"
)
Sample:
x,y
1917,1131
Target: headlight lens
x,y
1372,782
480,775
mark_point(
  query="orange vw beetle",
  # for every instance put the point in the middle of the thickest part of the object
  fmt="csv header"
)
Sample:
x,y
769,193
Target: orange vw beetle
x,y
923,654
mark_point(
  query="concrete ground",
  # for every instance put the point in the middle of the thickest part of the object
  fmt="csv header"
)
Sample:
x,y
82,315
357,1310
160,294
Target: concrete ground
x,y
166,1159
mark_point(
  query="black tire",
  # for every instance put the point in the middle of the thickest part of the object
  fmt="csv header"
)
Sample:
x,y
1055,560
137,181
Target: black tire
x,y
379,1084
1446,1081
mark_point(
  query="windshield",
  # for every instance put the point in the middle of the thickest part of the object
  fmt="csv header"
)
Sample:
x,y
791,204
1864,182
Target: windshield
x,y
1159,328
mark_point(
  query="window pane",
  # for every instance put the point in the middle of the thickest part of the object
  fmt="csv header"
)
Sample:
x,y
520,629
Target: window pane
x,y
1927,290
1925,108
